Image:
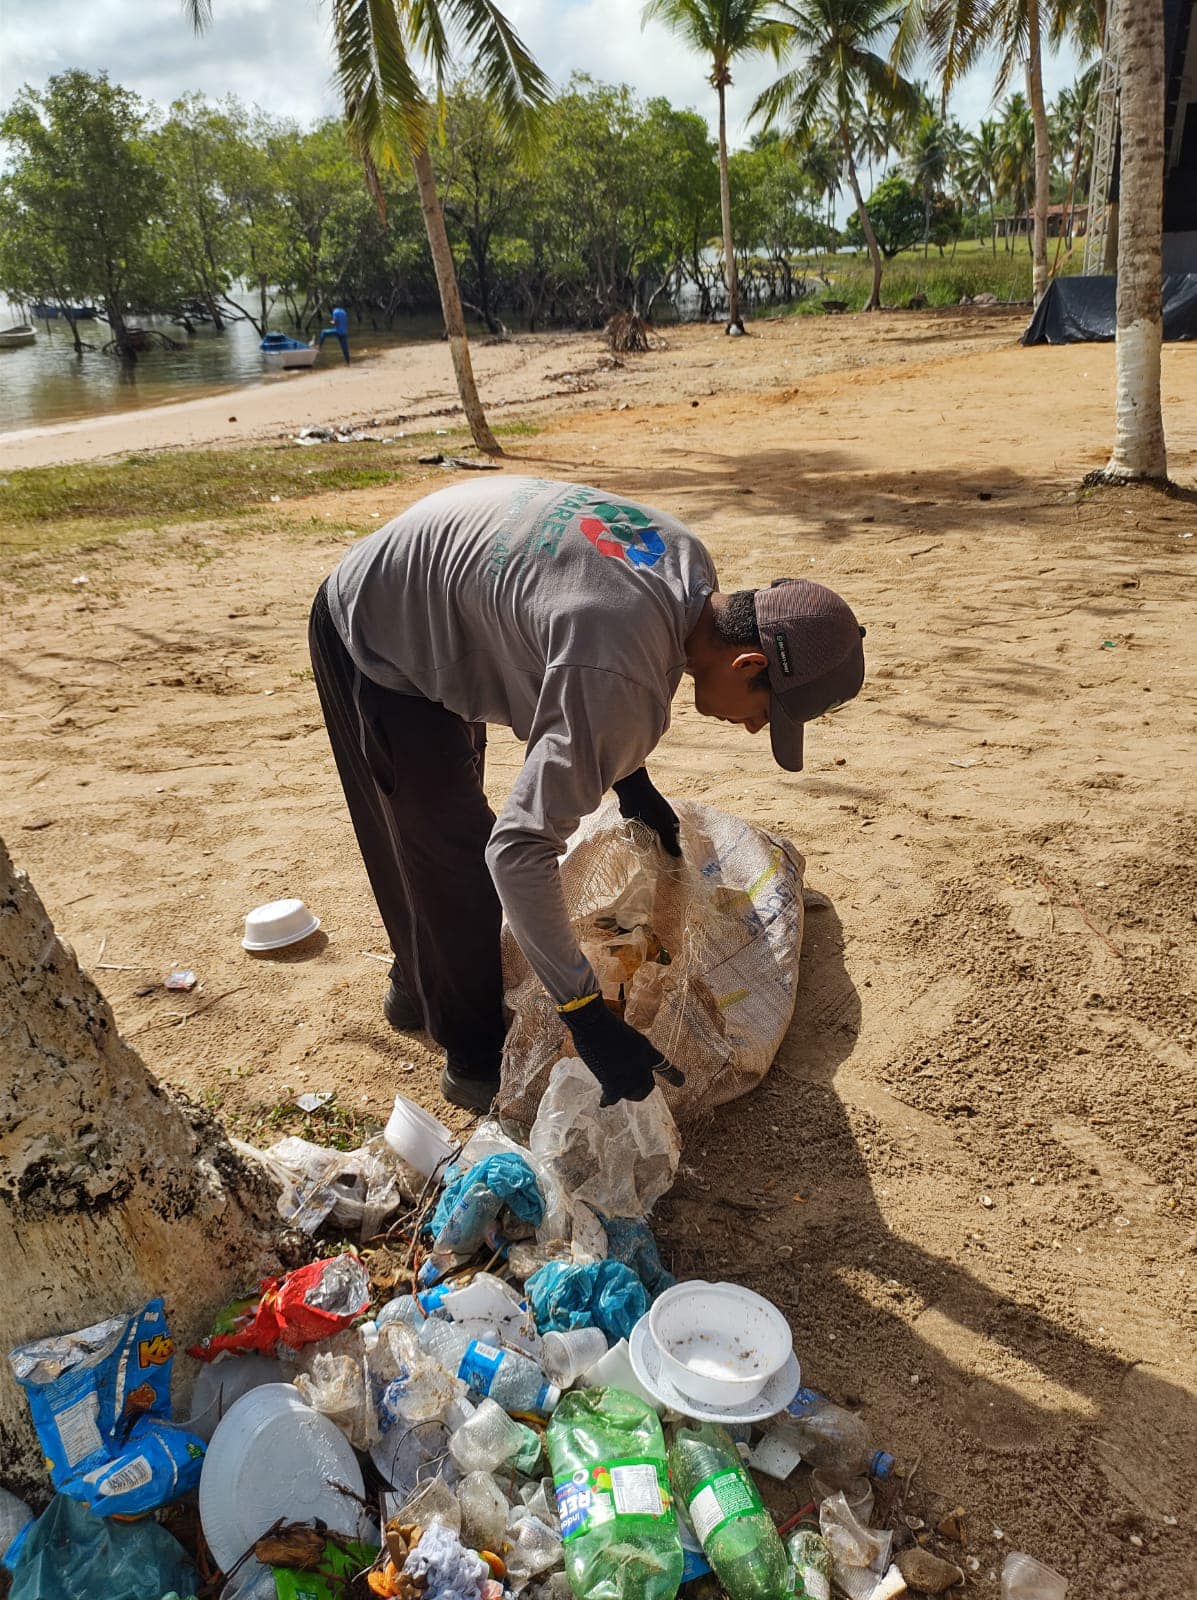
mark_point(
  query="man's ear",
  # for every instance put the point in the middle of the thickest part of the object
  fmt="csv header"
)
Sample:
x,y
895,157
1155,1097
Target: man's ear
x,y
750,661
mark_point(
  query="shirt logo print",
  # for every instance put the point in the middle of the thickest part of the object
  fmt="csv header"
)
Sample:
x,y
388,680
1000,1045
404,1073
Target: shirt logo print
x,y
625,533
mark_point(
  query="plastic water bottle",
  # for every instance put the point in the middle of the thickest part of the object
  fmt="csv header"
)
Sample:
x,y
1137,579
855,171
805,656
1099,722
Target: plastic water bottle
x,y
833,1438
611,1477
404,1308
725,1510
811,1561
512,1381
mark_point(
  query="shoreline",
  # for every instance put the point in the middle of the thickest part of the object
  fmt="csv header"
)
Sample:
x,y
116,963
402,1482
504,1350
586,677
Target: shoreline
x,y
397,385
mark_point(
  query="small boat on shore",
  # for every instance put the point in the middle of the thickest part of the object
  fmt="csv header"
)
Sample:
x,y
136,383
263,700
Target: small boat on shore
x,y
19,333
279,352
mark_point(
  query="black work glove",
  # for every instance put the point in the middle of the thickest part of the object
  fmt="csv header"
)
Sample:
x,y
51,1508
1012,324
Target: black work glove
x,y
639,799
621,1059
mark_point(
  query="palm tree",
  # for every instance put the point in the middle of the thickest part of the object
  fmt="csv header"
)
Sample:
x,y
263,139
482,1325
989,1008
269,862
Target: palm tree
x,y
835,49
723,30
1139,449
958,32
1016,154
928,160
380,46
980,169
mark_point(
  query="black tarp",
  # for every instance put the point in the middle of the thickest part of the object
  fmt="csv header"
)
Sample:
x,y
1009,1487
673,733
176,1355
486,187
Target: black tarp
x,y
1075,310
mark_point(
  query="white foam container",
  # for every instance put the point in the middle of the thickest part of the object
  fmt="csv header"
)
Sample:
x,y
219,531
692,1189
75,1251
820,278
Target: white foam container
x,y
418,1138
273,1456
615,1371
278,923
719,1343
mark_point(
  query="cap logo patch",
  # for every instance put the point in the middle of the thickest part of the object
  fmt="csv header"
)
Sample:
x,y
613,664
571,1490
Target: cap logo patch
x,y
781,645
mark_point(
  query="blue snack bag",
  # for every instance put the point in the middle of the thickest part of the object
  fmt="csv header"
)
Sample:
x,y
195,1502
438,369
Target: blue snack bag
x,y
94,1396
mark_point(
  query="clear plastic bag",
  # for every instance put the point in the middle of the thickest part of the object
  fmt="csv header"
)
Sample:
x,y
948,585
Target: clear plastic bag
x,y
72,1555
617,1159
333,1379
359,1189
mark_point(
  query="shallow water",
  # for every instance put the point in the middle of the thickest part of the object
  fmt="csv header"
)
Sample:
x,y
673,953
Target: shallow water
x,y
47,382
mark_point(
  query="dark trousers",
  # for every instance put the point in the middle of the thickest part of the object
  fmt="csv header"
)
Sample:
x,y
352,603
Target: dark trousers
x,y
341,338
412,776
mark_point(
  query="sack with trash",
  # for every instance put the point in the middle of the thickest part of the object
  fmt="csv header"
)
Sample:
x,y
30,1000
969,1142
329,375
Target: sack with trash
x,y
701,954
313,1302
69,1554
100,1401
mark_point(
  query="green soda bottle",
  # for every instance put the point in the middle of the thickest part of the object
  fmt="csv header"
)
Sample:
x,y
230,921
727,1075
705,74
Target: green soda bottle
x,y
607,1455
812,1561
725,1510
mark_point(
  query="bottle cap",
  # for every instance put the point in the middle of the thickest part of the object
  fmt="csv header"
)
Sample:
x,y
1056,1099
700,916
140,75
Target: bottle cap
x,y
882,1464
550,1396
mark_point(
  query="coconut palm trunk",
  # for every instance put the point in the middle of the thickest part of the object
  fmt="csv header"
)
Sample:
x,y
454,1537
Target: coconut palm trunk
x,y
446,282
1139,448
862,211
734,319
1043,148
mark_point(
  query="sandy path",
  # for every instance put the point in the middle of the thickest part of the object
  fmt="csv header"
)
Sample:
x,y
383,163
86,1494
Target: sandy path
x,y
997,1000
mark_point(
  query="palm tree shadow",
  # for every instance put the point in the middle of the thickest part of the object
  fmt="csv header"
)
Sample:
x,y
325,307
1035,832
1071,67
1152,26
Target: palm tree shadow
x,y
789,1190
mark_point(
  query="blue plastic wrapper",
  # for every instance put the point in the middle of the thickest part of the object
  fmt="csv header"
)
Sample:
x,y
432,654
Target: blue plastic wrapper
x,y
631,1241
71,1555
470,1202
607,1295
100,1400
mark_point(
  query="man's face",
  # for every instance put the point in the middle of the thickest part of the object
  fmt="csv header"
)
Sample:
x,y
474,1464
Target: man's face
x,y
727,689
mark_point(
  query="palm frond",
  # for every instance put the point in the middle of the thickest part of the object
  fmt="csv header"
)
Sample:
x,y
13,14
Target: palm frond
x,y
199,13
506,70
385,104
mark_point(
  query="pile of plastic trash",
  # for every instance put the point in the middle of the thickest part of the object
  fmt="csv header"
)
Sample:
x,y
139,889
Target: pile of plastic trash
x,y
499,1392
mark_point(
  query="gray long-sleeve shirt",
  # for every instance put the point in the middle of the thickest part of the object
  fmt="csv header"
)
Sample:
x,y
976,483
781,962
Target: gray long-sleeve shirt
x,y
553,609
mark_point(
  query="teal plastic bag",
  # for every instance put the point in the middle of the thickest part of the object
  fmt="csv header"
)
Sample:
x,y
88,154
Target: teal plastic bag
x,y
607,1295
71,1555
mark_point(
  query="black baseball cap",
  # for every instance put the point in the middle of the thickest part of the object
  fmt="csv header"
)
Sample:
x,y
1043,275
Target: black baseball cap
x,y
812,642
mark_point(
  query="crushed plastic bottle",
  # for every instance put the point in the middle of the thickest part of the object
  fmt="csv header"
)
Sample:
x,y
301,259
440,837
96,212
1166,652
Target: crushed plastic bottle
x,y
1024,1578
489,1439
511,1380
404,1309
609,1465
811,1560
831,1437
726,1512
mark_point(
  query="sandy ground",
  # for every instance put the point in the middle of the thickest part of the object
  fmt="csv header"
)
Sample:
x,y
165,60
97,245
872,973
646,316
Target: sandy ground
x,y
969,1177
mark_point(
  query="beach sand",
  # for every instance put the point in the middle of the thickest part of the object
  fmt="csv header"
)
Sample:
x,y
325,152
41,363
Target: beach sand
x,y
969,1176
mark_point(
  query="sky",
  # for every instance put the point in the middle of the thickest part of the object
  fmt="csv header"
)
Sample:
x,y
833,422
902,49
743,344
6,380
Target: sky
x,y
275,53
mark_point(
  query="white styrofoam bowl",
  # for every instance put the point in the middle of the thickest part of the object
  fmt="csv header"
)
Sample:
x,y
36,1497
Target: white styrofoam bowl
x,y
718,1342
279,923
417,1137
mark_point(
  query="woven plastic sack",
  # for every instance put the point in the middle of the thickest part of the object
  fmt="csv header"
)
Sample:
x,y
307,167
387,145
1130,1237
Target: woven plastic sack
x,y
727,921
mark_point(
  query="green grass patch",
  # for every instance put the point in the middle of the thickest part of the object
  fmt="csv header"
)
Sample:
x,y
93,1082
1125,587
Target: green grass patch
x,y
943,281
57,508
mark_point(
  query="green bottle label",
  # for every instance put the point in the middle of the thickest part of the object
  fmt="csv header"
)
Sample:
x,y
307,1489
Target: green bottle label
x,y
636,1486
720,1499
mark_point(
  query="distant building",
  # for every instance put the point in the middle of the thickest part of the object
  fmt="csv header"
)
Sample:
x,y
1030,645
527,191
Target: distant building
x,y
1057,222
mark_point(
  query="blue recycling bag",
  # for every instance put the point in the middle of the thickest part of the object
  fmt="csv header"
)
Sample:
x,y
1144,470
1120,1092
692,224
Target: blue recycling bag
x,y
630,1240
606,1295
470,1202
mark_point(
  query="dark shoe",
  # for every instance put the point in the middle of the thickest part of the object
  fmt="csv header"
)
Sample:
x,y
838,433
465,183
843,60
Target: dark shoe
x,y
400,1010
466,1089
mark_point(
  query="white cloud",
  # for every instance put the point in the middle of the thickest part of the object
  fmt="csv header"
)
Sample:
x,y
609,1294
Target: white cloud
x,y
275,53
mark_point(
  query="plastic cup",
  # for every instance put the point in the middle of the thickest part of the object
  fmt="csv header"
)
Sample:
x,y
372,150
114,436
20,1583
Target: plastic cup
x,y
571,1355
1024,1578
858,1492
615,1371
417,1137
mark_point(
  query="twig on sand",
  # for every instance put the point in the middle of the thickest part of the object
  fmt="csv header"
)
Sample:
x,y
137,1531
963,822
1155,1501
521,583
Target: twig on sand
x,y
1050,883
177,1018
372,955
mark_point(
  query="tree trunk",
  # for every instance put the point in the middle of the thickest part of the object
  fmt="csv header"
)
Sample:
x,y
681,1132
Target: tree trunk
x,y
866,225
1043,149
116,321
1139,449
926,223
446,282
112,1189
729,249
